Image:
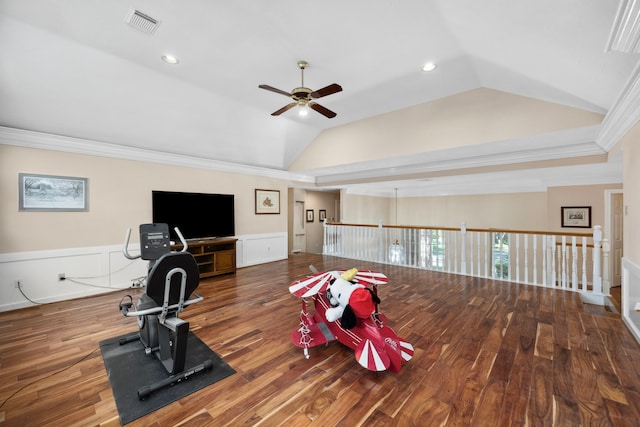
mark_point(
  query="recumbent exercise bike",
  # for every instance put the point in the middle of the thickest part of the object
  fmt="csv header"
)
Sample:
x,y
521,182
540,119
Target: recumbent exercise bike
x,y
172,278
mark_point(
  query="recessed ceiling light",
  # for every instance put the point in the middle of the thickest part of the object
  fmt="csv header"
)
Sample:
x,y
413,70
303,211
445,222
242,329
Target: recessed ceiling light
x,y
429,66
170,59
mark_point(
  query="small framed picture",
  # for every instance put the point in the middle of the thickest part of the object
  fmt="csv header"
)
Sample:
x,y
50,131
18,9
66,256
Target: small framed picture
x,y
48,193
267,202
322,215
576,216
309,215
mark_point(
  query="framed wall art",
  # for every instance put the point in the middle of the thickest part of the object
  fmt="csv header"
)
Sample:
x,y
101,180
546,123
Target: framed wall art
x,y
49,193
576,216
267,202
322,215
309,215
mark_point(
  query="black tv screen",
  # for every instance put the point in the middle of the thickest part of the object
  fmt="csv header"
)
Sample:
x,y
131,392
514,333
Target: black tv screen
x,y
197,215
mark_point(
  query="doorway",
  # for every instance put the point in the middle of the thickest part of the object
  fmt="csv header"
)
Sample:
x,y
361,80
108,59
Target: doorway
x,y
614,212
299,236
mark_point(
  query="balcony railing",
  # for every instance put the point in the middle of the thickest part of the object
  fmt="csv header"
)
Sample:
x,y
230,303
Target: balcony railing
x,y
571,261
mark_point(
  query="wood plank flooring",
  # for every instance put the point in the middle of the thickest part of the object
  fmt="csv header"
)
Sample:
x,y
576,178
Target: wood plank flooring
x,y
487,353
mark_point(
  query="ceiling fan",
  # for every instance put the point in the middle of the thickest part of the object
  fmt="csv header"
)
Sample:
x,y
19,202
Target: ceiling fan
x,y
303,96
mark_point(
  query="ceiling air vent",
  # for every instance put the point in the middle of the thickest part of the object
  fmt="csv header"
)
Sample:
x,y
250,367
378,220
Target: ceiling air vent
x,y
141,21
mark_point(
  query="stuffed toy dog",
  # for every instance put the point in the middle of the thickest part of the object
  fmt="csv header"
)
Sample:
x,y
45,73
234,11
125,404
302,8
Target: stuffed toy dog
x,y
350,301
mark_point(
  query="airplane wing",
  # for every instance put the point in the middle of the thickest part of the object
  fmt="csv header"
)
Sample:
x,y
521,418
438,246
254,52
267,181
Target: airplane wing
x,y
311,285
368,277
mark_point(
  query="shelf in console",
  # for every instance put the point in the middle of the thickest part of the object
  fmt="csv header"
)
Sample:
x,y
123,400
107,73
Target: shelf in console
x,y
213,256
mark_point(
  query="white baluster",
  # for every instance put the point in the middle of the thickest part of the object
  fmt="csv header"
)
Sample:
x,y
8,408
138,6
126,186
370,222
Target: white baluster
x,y
584,263
563,277
526,258
478,251
535,259
545,259
517,257
574,263
463,249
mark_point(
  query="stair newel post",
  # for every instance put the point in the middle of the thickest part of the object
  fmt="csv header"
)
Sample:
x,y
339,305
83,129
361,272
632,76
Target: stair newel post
x,y
597,244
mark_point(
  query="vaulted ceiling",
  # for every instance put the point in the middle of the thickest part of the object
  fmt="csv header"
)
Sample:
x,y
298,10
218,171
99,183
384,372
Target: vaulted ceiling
x,y
76,68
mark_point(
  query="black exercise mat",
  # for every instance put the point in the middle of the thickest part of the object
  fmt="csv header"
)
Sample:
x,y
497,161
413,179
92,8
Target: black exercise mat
x,y
128,369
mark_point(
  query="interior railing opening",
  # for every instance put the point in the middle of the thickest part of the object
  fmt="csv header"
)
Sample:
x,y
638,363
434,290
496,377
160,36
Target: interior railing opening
x,y
572,261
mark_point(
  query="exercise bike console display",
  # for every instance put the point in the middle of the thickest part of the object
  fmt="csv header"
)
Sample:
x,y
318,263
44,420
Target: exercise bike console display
x,y
154,240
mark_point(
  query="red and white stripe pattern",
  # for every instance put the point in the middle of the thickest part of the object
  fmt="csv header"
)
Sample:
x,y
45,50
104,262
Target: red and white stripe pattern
x,y
369,357
312,285
406,350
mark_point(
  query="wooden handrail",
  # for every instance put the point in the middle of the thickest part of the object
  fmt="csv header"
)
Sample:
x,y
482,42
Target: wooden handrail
x,y
477,230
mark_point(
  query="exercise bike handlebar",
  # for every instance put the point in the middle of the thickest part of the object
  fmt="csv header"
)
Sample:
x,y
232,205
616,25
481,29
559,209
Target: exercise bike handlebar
x,y
125,247
184,242
127,236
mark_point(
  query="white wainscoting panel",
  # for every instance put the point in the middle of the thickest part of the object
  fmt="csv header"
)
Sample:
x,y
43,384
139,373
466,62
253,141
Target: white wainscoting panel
x,y
255,249
95,270
631,296
88,271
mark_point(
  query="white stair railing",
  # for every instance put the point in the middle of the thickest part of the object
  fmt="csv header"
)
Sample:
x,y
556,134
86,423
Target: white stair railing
x,y
571,261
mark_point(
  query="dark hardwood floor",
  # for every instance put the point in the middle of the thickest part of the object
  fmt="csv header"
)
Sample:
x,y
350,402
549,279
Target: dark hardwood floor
x,y
487,353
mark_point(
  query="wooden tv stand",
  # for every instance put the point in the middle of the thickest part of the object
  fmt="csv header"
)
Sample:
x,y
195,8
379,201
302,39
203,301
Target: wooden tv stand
x,y
214,256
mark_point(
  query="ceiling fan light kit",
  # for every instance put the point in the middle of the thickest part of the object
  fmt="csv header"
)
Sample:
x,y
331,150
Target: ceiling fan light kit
x,y
303,96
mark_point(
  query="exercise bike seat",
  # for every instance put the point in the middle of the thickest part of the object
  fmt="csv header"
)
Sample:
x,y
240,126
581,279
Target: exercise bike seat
x,y
161,269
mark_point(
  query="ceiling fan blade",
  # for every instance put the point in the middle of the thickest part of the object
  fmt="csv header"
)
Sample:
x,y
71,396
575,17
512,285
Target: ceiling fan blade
x,y
332,88
273,89
285,108
322,110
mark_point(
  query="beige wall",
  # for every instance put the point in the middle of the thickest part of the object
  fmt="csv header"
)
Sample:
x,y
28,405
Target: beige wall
x,y
587,195
316,200
474,117
631,177
119,197
358,209
519,211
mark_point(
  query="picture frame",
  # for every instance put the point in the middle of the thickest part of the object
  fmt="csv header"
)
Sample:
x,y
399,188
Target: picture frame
x,y
576,216
322,215
267,202
309,215
52,193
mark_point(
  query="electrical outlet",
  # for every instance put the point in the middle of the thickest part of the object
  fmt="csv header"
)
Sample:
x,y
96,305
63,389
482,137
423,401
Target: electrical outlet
x,y
17,283
61,276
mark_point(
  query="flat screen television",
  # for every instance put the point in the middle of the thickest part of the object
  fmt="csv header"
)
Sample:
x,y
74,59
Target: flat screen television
x,y
197,215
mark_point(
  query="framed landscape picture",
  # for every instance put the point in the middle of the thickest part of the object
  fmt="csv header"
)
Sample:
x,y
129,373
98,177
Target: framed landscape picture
x,y
52,193
576,216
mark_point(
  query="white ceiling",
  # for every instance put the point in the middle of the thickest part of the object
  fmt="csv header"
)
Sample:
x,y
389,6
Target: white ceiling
x,y
74,68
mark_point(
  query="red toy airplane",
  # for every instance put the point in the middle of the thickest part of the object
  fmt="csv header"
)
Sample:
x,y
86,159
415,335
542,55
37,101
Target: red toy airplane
x,y
344,312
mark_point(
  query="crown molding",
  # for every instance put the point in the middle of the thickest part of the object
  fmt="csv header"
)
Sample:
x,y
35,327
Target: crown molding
x,y
625,32
570,143
623,115
45,141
